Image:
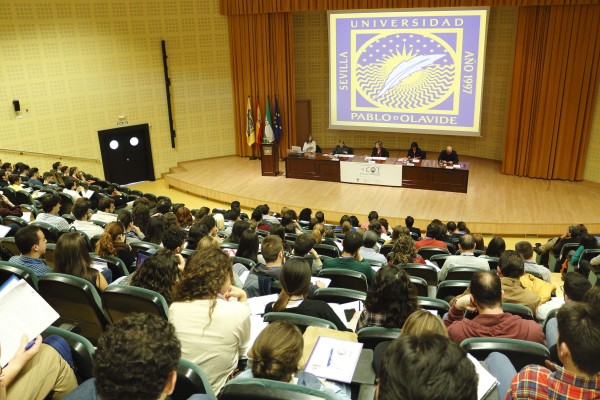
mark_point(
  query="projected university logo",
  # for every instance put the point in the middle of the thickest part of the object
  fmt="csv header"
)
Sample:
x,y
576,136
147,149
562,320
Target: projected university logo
x,y
407,71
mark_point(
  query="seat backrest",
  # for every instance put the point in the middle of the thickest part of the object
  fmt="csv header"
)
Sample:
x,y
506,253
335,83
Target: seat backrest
x,y
263,389
566,248
439,259
76,301
448,289
327,250
427,272
460,273
371,336
430,303
301,321
386,248
116,265
50,232
248,263
49,255
420,284
338,295
427,251
518,309
23,197
121,300
191,380
588,254
10,194
9,245
11,219
520,352
82,351
492,261
143,246
8,269
229,245
345,278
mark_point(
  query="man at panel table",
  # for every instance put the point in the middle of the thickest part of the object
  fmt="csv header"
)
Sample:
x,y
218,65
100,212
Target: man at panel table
x,y
448,155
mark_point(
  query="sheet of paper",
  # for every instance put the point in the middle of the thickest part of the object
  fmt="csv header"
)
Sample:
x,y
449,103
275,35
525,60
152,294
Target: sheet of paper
x,y
334,359
324,281
22,312
257,304
256,327
487,382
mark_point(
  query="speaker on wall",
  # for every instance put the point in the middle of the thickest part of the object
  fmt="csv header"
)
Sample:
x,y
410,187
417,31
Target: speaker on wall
x,y
17,105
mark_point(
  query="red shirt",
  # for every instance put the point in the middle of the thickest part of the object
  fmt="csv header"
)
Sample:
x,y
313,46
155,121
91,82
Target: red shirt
x,y
430,242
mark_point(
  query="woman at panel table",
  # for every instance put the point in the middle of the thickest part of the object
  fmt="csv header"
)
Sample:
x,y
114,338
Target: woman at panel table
x,y
310,146
379,150
415,151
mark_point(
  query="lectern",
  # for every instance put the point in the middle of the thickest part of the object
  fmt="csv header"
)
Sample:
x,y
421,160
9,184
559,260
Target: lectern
x,y
269,160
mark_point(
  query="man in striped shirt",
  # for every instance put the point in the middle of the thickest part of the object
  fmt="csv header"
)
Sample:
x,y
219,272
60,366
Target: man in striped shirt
x,y
32,244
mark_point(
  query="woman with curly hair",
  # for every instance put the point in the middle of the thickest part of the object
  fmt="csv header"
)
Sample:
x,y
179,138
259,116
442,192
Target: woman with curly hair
x,y
295,284
390,299
276,355
73,258
159,273
112,243
405,252
214,331
184,216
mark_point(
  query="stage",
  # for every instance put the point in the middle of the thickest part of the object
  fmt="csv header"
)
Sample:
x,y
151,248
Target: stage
x,y
495,204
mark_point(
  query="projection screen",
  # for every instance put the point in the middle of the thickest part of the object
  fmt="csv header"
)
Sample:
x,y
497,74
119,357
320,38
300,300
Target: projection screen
x,y
418,71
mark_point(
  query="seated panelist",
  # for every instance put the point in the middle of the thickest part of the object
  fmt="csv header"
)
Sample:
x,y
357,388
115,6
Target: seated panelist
x,y
341,148
310,146
415,151
379,150
448,155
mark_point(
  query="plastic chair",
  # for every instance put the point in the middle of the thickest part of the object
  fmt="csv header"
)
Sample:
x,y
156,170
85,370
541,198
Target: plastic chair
x,y
264,389
518,309
327,250
345,278
492,261
301,321
449,289
143,246
10,246
23,197
386,248
11,219
439,259
520,352
8,269
371,336
430,303
10,194
191,379
420,284
82,351
77,303
427,251
338,295
427,272
121,300
50,232
50,254
459,273
248,263
115,264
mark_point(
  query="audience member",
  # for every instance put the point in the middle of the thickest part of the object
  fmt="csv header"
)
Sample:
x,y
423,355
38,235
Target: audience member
x,y
304,245
14,181
132,232
491,321
51,206
467,258
525,249
112,243
320,216
479,242
214,331
258,282
351,258
369,250
159,273
31,242
426,367
578,350
155,230
119,198
295,283
4,178
433,238
82,212
421,321
511,268
106,206
73,258
170,220
36,372
276,355
390,299
184,216
249,247
496,247
305,214
236,231
404,252
136,358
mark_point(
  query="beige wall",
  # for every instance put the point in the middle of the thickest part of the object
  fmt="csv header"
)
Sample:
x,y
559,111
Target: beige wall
x,y
77,65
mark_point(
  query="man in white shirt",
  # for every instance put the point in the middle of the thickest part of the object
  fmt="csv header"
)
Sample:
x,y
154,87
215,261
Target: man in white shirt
x,y
525,249
267,215
51,206
466,258
106,206
575,287
83,213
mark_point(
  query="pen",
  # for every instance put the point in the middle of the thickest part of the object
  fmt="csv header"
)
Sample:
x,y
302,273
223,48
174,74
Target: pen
x,y
330,355
30,344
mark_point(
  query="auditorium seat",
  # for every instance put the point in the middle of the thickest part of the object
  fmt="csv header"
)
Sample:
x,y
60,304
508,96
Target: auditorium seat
x,y
427,272
191,380
520,352
8,269
338,295
371,336
264,389
119,301
82,351
427,251
421,285
50,232
301,321
345,278
327,250
461,273
449,289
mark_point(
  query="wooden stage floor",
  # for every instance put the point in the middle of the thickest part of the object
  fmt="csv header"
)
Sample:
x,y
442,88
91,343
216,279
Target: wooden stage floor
x,y
495,204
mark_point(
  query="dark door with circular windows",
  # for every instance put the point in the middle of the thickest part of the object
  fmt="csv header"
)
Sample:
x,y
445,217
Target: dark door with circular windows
x,y
126,154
